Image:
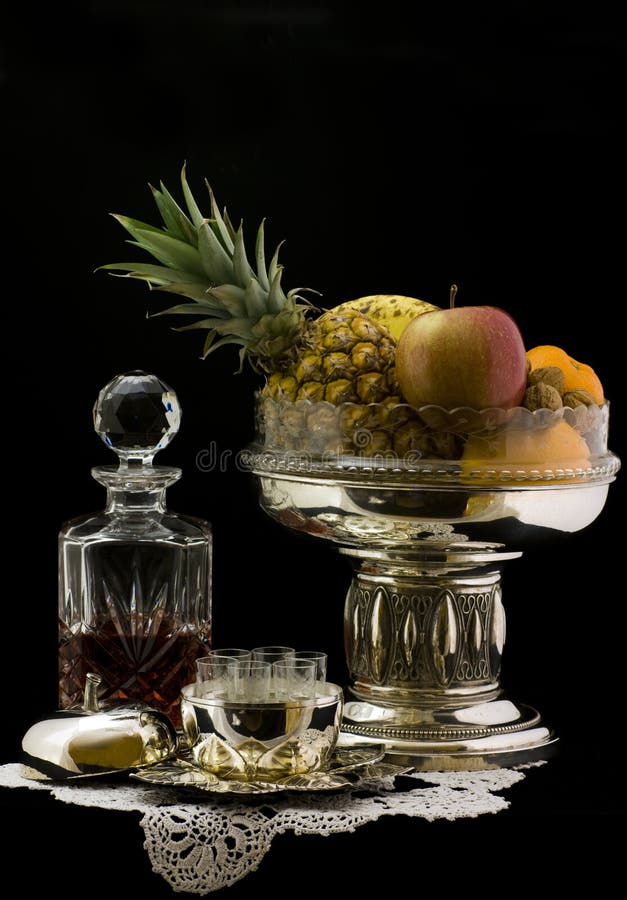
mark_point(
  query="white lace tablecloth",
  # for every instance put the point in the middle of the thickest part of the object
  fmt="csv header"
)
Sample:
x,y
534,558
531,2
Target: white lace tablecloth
x,y
200,843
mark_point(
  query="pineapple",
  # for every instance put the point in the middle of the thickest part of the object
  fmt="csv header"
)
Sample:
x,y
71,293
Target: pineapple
x,y
312,366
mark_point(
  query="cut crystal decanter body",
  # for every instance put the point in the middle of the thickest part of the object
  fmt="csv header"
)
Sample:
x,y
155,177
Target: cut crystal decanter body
x,y
134,579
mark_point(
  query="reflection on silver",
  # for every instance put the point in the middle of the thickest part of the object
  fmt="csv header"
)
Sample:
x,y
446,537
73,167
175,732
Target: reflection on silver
x,y
261,741
77,743
346,767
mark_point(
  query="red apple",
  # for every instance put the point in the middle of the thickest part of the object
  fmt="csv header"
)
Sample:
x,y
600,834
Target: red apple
x,y
463,356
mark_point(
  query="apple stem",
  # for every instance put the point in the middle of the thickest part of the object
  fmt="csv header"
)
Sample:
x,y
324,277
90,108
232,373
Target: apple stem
x,y
452,295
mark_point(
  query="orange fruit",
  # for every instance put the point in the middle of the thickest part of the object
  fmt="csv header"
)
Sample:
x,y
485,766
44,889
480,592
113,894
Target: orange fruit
x,y
527,450
577,375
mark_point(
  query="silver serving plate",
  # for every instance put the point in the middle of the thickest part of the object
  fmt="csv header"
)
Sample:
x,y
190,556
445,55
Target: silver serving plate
x,y
346,767
428,538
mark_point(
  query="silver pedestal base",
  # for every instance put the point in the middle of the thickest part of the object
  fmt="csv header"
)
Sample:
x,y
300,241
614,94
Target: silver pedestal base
x,y
494,734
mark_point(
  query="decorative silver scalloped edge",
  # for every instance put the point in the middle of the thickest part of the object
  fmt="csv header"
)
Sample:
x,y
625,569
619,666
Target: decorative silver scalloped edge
x,y
266,462
346,766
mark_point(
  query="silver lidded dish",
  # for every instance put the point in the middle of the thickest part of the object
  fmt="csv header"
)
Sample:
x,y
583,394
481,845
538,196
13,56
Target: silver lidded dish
x,y
96,740
428,536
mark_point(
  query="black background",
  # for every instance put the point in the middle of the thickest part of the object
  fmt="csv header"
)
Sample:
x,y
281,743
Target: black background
x,y
396,151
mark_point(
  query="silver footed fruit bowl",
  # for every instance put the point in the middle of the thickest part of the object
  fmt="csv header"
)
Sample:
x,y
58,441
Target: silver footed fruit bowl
x,y
428,505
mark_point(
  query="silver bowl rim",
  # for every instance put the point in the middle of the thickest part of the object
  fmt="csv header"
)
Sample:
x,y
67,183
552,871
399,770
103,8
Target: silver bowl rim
x,y
333,694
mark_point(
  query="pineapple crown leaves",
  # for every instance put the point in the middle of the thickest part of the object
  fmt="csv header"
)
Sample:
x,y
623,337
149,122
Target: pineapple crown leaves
x,y
204,260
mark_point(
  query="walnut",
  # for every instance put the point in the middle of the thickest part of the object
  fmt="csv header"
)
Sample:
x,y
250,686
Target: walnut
x,y
551,375
580,397
541,396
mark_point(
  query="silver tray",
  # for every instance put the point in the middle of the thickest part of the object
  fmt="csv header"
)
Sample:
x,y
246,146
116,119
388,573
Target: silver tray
x,y
347,767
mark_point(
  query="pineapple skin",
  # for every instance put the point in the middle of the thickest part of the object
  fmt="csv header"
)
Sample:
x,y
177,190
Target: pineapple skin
x,y
343,357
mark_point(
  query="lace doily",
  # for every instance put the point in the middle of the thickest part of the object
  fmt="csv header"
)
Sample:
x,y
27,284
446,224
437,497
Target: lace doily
x,y
199,845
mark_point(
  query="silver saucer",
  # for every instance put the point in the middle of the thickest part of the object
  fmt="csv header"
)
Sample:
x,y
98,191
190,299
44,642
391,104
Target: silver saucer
x,y
347,767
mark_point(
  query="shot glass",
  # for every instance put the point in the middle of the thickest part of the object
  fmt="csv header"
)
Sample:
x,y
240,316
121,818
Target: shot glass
x,y
318,657
248,680
271,654
212,675
294,679
212,670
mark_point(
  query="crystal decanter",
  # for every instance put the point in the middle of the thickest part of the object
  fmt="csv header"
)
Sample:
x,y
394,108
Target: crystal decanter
x,y
134,579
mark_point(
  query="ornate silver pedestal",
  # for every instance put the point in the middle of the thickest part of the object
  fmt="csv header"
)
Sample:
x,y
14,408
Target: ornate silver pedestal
x,y
424,635
424,618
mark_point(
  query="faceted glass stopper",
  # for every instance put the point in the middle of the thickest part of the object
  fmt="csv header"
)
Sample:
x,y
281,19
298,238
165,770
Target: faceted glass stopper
x,y
137,414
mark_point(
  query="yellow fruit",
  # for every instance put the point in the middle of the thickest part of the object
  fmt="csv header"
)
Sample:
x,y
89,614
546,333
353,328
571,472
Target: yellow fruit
x,y
556,447
392,310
